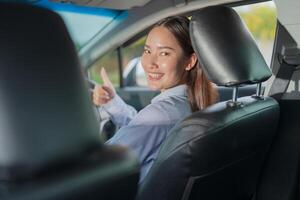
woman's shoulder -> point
(166, 111)
(154, 113)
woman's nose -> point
(153, 66)
(149, 62)
(153, 62)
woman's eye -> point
(164, 53)
(147, 51)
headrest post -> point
(258, 90)
(235, 93)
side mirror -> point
(134, 74)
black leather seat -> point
(217, 153)
(49, 141)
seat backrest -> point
(49, 137)
(217, 153)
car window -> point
(133, 73)
(83, 22)
(261, 20)
(83, 27)
(130, 55)
(133, 50)
(110, 62)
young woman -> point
(171, 66)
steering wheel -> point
(107, 127)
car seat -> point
(218, 152)
(49, 136)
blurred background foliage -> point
(261, 21)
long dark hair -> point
(201, 92)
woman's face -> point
(163, 59)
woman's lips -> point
(155, 76)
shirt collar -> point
(179, 90)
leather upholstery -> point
(45, 110)
(234, 60)
(218, 152)
(214, 154)
(110, 173)
(49, 141)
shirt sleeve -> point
(144, 135)
(119, 112)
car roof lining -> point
(111, 4)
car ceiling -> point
(112, 4)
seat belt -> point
(289, 63)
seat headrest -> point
(46, 115)
(225, 48)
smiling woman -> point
(171, 67)
(163, 60)
(169, 60)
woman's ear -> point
(191, 62)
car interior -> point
(245, 147)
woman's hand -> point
(102, 94)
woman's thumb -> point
(110, 92)
(105, 78)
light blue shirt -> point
(145, 131)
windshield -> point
(83, 27)
(83, 23)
